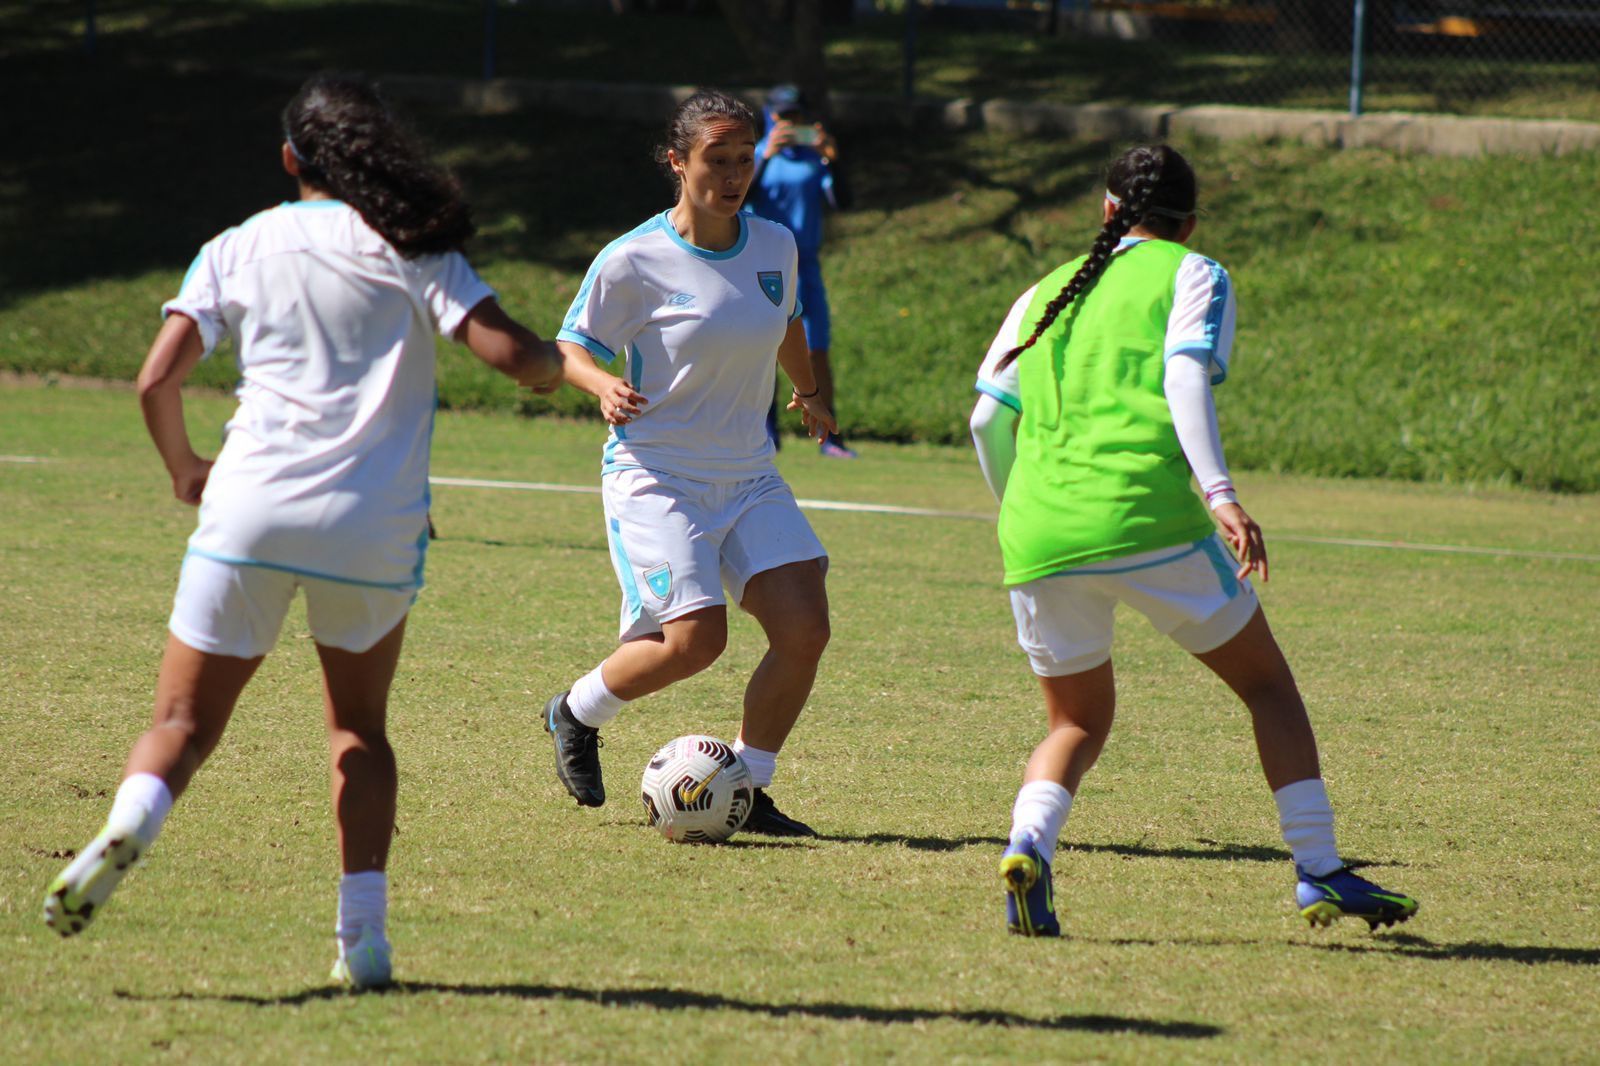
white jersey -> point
(1200, 325)
(699, 331)
(324, 471)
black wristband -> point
(806, 395)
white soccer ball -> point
(697, 791)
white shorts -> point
(1190, 593)
(675, 542)
(228, 609)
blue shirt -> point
(791, 188)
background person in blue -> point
(796, 174)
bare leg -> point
(1081, 708)
(684, 647)
(1254, 667)
(195, 696)
(791, 604)
(361, 762)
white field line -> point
(23, 459)
(929, 512)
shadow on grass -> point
(1400, 945)
(1418, 947)
(678, 999)
(1211, 850)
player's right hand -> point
(619, 403)
(189, 482)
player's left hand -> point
(1245, 538)
(814, 415)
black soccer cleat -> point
(766, 819)
(577, 753)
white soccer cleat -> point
(365, 964)
(77, 895)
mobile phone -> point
(803, 135)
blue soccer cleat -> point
(1030, 899)
(1342, 894)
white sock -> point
(1039, 813)
(142, 805)
(591, 702)
(1306, 819)
(763, 764)
(363, 903)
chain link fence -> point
(1514, 58)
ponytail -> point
(1144, 183)
(352, 146)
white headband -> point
(1165, 212)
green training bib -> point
(1099, 472)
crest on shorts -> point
(659, 578)
(772, 284)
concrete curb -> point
(1440, 135)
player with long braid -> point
(332, 301)
(1096, 410)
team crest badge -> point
(659, 578)
(772, 285)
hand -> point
(548, 373)
(814, 415)
(826, 145)
(780, 136)
(1244, 536)
(619, 404)
(189, 481)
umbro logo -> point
(682, 299)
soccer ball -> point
(697, 791)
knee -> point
(805, 639)
(698, 646)
(1271, 694)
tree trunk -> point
(785, 39)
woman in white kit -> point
(322, 485)
(698, 302)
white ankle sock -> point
(591, 702)
(763, 764)
(141, 807)
(1306, 819)
(363, 903)
(1040, 812)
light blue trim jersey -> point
(699, 332)
(324, 471)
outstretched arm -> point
(510, 347)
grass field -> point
(1415, 318)
(1454, 694)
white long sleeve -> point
(1187, 384)
(994, 435)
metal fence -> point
(1522, 58)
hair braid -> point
(352, 145)
(1147, 178)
